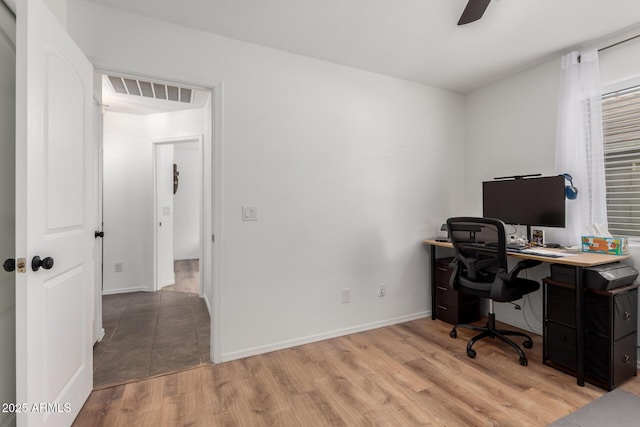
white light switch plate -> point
(249, 213)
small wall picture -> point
(537, 237)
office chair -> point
(480, 269)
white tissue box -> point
(605, 245)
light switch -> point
(166, 210)
(249, 213)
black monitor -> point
(526, 201)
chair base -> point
(490, 331)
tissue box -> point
(605, 245)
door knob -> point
(46, 263)
(9, 265)
(99, 234)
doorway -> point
(178, 211)
(150, 329)
(7, 211)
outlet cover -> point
(382, 290)
(346, 295)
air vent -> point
(127, 86)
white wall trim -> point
(199, 139)
(621, 84)
(167, 283)
(210, 275)
(206, 301)
(126, 290)
(323, 336)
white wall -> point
(7, 213)
(59, 10)
(511, 129)
(128, 204)
(186, 202)
(349, 170)
(128, 192)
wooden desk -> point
(579, 261)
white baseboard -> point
(125, 290)
(206, 301)
(167, 283)
(320, 337)
(101, 335)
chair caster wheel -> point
(471, 353)
(527, 344)
(524, 361)
(453, 334)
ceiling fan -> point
(474, 11)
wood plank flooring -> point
(411, 374)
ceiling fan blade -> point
(474, 11)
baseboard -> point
(320, 337)
(206, 301)
(167, 283)
(101, 335)
(125, 290)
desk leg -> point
(432, 253)
(580, 326)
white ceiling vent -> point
(127, 86)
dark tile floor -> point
(150, 333)
(187, 276)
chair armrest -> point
(523, 265)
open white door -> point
(55, 220)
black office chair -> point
(480, 269)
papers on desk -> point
(547, 253)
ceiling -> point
(416, 40)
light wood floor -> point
(412, 374)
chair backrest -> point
(480, 248)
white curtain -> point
(579, 146)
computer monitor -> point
(526, 201)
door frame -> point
(199, 139)
(212, 175)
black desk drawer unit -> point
(610, 325)
(450, 305)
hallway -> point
(150, 333)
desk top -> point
(581, 259)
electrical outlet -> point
(117, 267)
(346, 295)
(382, 290)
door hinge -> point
(213, 238)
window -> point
(621, 129)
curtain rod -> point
(612, 45)
(620, 42)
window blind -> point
(621, 131)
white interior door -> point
(55, 219)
